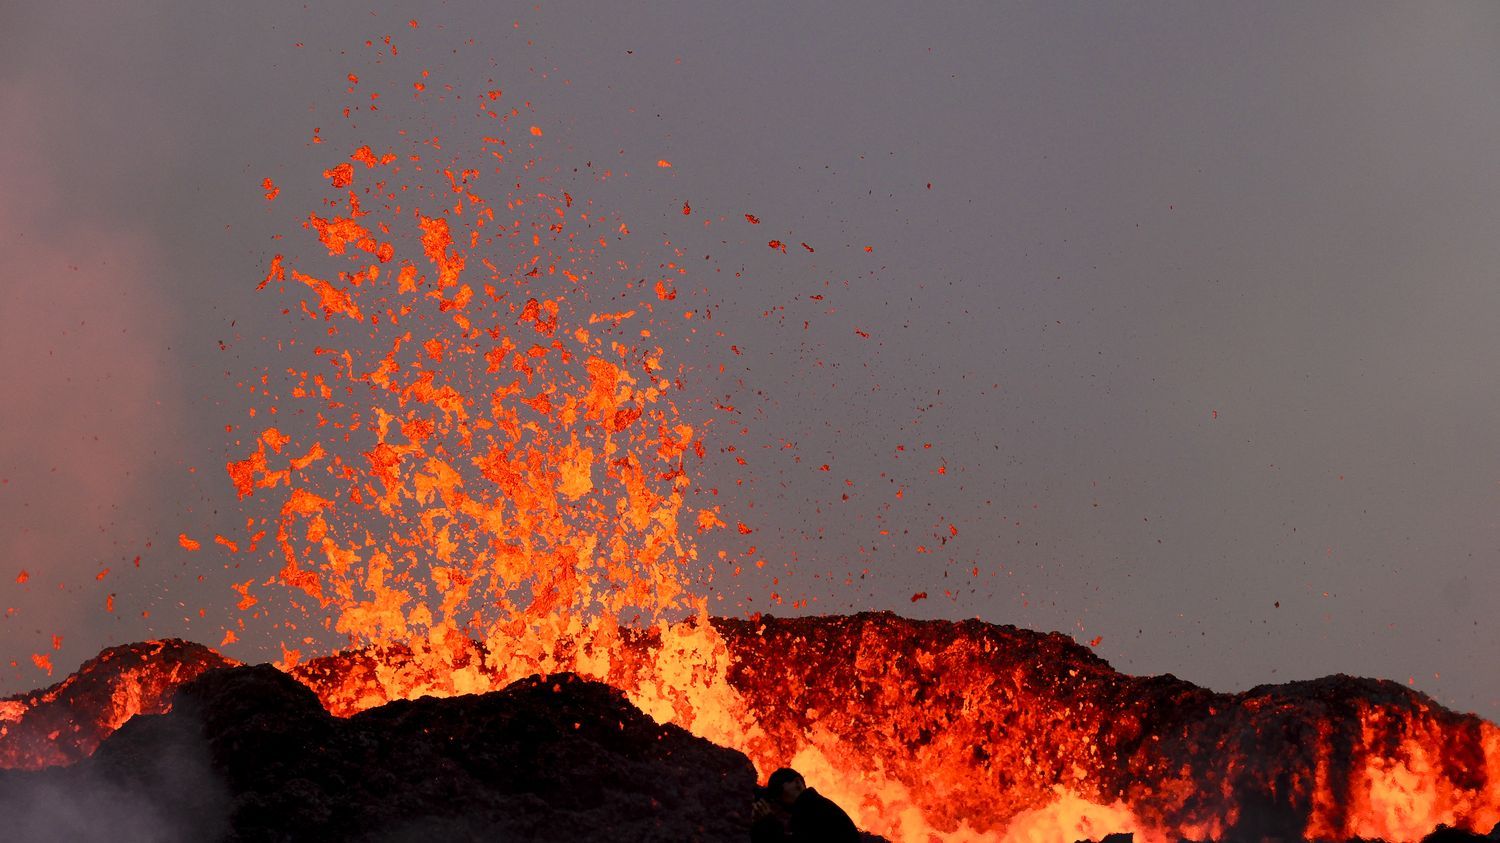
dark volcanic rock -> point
(558, 758)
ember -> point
(492, 458)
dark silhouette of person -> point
(800, 813)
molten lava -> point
(923, 729)
(479, 473)
(973, 731)
(491, 457)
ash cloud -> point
(85, 383)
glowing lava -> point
(930, 729)
(496, 485)
(479, 473)
(491, 459)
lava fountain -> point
(481, 470)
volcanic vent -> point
(959, 731)
(478, 466)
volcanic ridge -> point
(969, 731)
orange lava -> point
(489, 456)
(497, 485)
(480, 472)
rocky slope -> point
(248, 753)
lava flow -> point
(932, 730)
(481, 472)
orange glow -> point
(484, 474)
(341, 175)
(518, 473)
(519, 504)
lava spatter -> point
(479, 470)
(490, 460)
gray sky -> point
(1197, 313)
